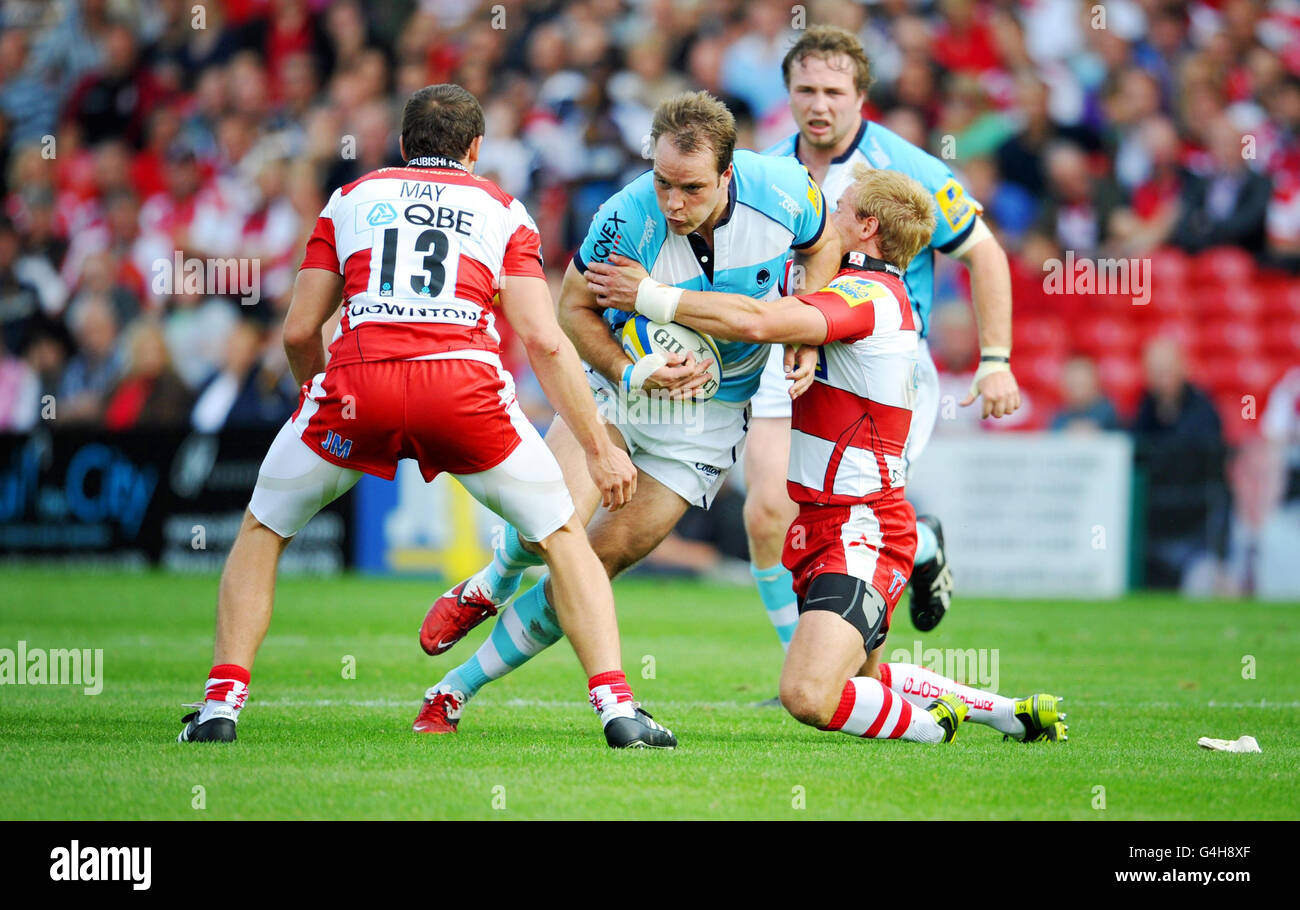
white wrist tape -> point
(992, 360)
(636, 374)
(657, 302)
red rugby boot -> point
(451, 618)
(440, 712)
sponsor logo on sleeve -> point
(814, 195)
(954, 204)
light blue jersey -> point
(774, 207)
(956, 212)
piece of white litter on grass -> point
(1244, 744)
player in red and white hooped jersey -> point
(416, 254)
(851, 548)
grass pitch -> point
(1144, 677)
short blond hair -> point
(692, 120)
(904, 208)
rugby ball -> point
(642, 337)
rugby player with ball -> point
(851, 546)
(707, 216)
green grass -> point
(1144, 678)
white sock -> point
(921, 686)
(872, 711)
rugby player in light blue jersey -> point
(827, 75)
(706, 218)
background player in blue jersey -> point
(706, 218)
(827, 75)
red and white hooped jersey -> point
(849, 429)
(422, 250)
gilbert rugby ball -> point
(642, 337)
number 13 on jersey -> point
(415, 261)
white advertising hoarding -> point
(1030, 514)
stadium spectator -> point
(25, 99)
(196, 329)
(1152, 206)
(113, 101)
(249, 391)
(1133, 99)
(963, 41)
(150, 393)
(1079, 208)
(1180, 449)
(94, 369)
(190, 200)
(1283, 224)
(20, 299)
(1022, 157)
(1228, 203)
(132, 253)
(1171, 406)
(751, 65)
(29, 383)
(373, 145)
(1007, 205)
(1085, 408)
(43, 246)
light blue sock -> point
(523, 630)
(927, 545)
(509, 562)
(776, 590)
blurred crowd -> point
(131, 130)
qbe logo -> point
(76, 863)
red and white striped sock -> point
(921, 686)
(225, 692)
(610, 695)
(872, 711)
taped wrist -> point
(635, 374)
(657, 302)
(992, 360)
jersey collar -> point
(853, 147)
(731, 200)
(437, 161)
(863, 263)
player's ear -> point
(471, 157)
(868, 227)
(401, 149)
